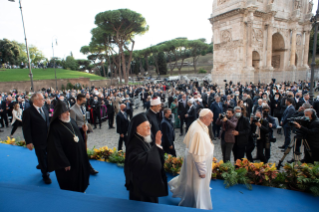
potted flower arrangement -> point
(173, 164)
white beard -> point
(66, 120)
(148, 139)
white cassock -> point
(193, 190)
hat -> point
(155, 101)
(60, 107)
(136, 121)
(204, 112)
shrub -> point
(202, 71)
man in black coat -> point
(182, 111)
(153, 116)
(110, 112)
(96, 105)
(241, 134)
(316, 106)
(168, 133)
(191, 114)
(129, 106)
(144, 163)
(122, 124)
(35, 125)
(312, 132)
(3, 113)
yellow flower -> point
(258, 165)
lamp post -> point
(26, 45)
(56, 80)
(314, 20)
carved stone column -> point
(293, 47)
(269, 46)
(306, 49)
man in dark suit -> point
(316, 106)
(298, 100)
(35, 125)
(129, 106)
(191, 114)
(168, 133)
(182, 111)
(217, 108)
(241, 133)
(122, 124)
(288, 113)
(110, 112)
(3, 113)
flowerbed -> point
(296, 176)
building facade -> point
(257, 40)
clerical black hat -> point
(136, 121)
(60, 107)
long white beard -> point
(66, 120)
(148, 139)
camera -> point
(300, 120)
(255, 119)
(222, 116)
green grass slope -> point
(43, 74)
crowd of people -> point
(241, 117)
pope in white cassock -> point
(192, 185)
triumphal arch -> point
(257, 40)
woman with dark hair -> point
(16, 118)
(241, 104)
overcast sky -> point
(70, 21)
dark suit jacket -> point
(181, 109)
(243, 128)
(287, 114)
(121, 124)
(299, 103)
(316, 106)
(3, 107)
(227, 128)
(191, 115)
(168, 134)
(216, 110)
(35, 128)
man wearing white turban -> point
(192, 185)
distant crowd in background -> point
(245, 115)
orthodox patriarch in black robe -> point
(66, 147)
(144, 166)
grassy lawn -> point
(43, 74)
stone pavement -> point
(109, 137)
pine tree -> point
(162, 65)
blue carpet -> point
(21, 182)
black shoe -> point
(302, 160)
(256, 158)
(282, 147)
(283, 150)
(94, 128)
(181, 134)
(38, 166)
(291, 161)
(93, 171)
(47, 179)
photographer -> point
(299, 113)
(272, 126)
(229, 123)
(260, 131)
(241, 134)
(311, 135)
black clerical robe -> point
(155, 121)
(144, 171)
(63, 151)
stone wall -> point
(39, 84)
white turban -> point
(155, 101)
(204, 112)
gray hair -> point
(216, 97)
(190, 102)
(35, 96)
(237, 108)
(313, 112)
(306, 105)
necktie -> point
(82, 109)
(42, 114)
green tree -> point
(71, 63)
(197, 48)
(162, 65)
(123, 24)
(9, 52)
(84, 64)
(35, 54)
